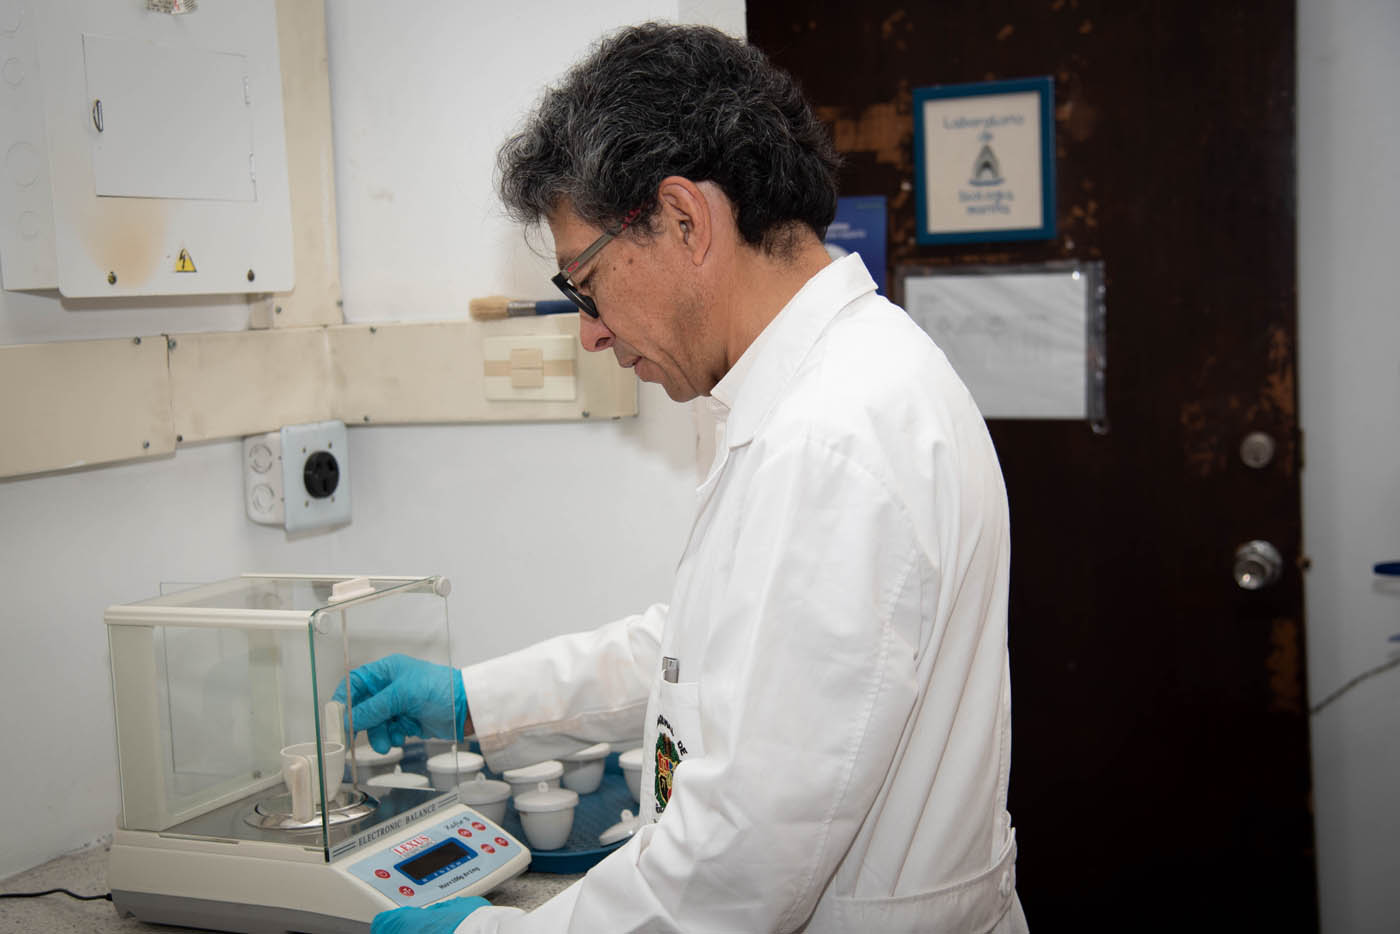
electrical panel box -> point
(144, 150)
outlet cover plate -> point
(324, 447)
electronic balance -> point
(210, 686)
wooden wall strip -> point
(411, 372)
(306, 106)
(75, 403)
(226, 385)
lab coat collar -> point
(751, 387)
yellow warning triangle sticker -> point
(184, 263)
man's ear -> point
(686, 214)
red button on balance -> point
(382, 873)
(405, 890)
(488, 848)
(478, 825)
(464, 832)
(502, 841)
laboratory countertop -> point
(85, 872)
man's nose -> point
(593, 333)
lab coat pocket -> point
(678, 735)
(983, 904)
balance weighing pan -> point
(275, 812)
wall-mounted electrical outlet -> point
(298, 477)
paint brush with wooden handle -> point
(498, 306)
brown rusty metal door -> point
(1160, 773)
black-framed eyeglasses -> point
(563, 279)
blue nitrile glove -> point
(397, 697)
(441, 918)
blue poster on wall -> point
(859, 227)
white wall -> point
(1349, 382)
(542, 528)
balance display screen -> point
(436, 861)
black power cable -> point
(83, 898)
(1385, 666)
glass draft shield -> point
(226, 729)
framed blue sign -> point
(984, 161)
(859, 227)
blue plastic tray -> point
(595, 813)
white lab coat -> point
(841, 716)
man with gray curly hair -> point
(825, 700)
(664, 129)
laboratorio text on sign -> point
(983, 123)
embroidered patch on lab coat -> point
(669, 753)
